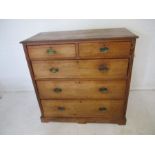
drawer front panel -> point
(104, 68)
(52, 51)
(82, 89)
(105, 49)
(83, 108)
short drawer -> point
(103, 68)
(83, 108)
(51, 51)
(109, 49)
(64, 89)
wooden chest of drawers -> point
(82, 76)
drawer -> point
(109, 49)
(51, 51)
(64, 89)
(83, 108)
(102, 68)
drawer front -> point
(105, 49)
(83, 108)
(51, 51)
(81, 89)
(103, 68)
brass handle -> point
(102, 109)
(104, 49)
(54, 70)
(61, 108)
(103, 68)
(50, 51)
(57, 90)
(103, 90)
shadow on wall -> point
(1, 90)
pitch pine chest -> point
(82, 76)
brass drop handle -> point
(50, 51)
(103, 90)
(54, 70)
(103, 68)
(104, 49)
(57, 90)
(102, 109)
(61, 108)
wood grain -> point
(79, 60)
(81, 89)
(83, 108)
(83, 120)
(116, 68)
(92, 34)
(62, 51)
(116, 49)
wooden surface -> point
(83, 108)
(62, 51)
(78, 60)
(83, 120)
(117, 68)
(81, 35)
(81, 89)
(115, 49)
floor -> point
(19, 114)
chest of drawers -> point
(82, 76)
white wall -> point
(14, 73)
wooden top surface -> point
(114, 33)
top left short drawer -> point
(51, 51)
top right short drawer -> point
(106, 49)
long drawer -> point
(106, 49)
(103, 68)
(83, 108)
(61, 89)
